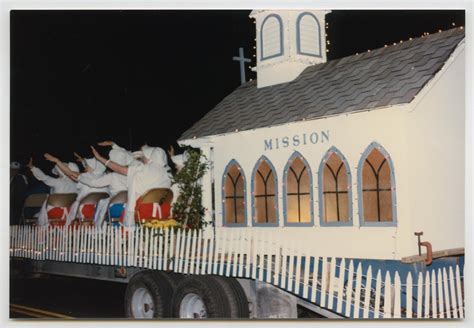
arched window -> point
(335, 189)
(308, 35)
(233, 195)
(264, 194)
(297, 191)
(376, 187)
(271, 37)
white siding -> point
(425, 140)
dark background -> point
(135, 77)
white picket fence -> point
(336, 284)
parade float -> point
(333, 187)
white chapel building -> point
(348, 157)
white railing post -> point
(198, 252)
(298, 267)
(223, 247)
(453, 292)
(440, 294)
(357, 291)
(166, 242)
(368, 287)
(145, 250)
(459, 293)
(409, 291)
(307, 260)
(172, 251)
(397, 290)
(446, 294)
(177, 251)
(434, 309)
(332, 280)
(427, 295)
(378, 287)
(340, 287)
(419, 296)
(188, 248)
(314, 285)
(387, 297)
(324, 280)
(350, 281)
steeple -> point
(288, 41)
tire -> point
(148, 297)
(172, 278)
(205, 293)
(238, 302)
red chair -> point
(59, 206)
(87, 207)
(155, 204)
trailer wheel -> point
(172, 278)
(148, 297)
(235, 295)
(200, 297)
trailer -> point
(335, 189)
(186, 274)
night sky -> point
(135, 77)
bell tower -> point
(288, 41)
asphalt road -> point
(66, 297)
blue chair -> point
(116, 208)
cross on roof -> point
(242, 60)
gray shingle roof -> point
(386, 76)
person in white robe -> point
(61, 185)
(152, 173)
(94, 170)
(115, 182)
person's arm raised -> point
(62, 166)
(110, 164)
(81, 160)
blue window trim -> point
(393, 223)
(275, 180)
(280, 22)
(285, 177)
(336, 151)
(224, 223)
(298, 35)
